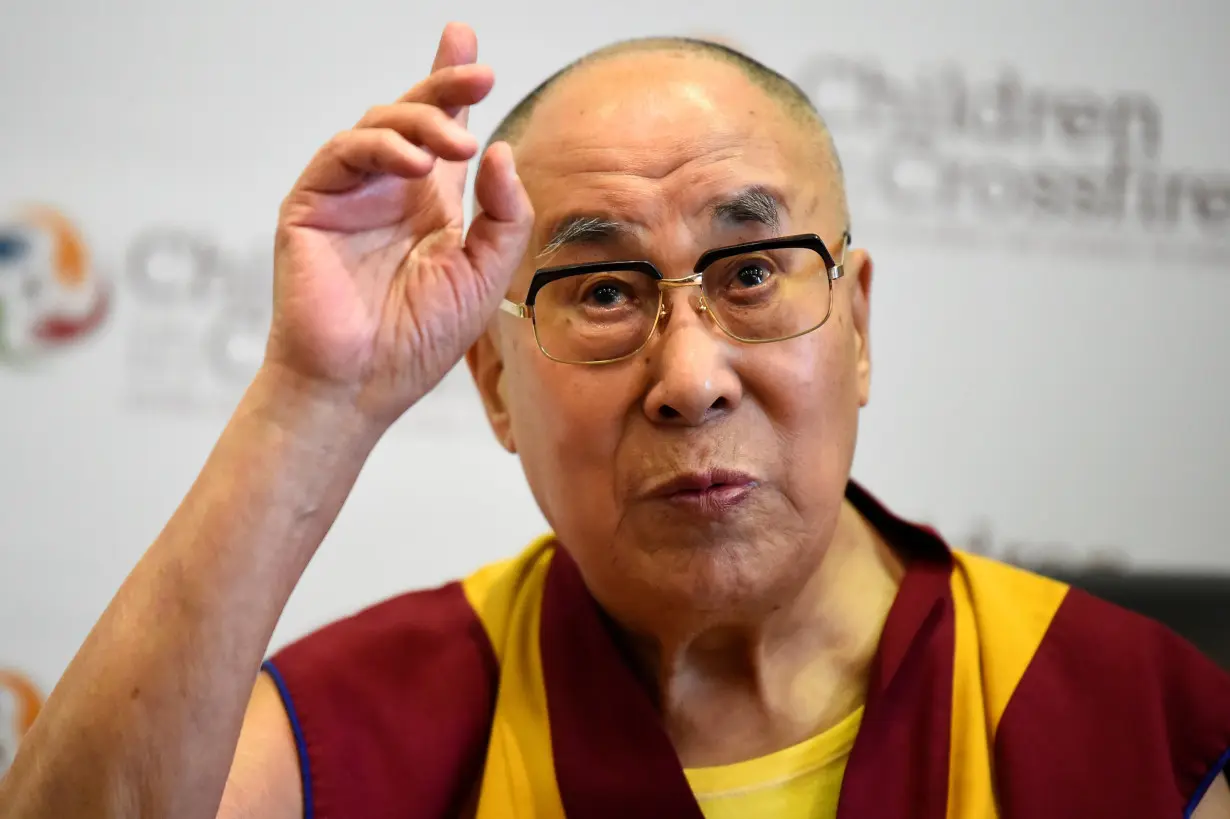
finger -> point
(497, 187)
(458, 46)
(426, 126)
(453, 88)
(351, 157)
(499, 234)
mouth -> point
(711, 493)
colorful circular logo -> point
(20, 701)
(50, 295)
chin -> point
(702, 576)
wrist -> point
(321, 415)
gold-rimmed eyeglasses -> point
(756, 293)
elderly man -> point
(666, 321)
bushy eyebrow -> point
(584, 229)
(757, 204)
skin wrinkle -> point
(641, 219)
(739, 621)
(757, 205)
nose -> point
(691, 360)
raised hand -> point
(378, 288)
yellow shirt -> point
(799, 782)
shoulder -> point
(1090, 676)
(394, 699)
(457, 622)
(398, 698)
(389, 638)
(1080, 635)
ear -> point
(486, 363)
(859, 268)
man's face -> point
(655, 141)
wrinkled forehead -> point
(655, 139)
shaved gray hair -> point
(779, 88)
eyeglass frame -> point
(834, 270)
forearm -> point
(145, 720)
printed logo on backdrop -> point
(50, 295)
(200, 312)
(201, 315)
(20, 702)
(197, 314)
(944, 155)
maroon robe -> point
(993, 692)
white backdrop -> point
(1046, 193)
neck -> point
(737, 691)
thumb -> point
(500, 232)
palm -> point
(369, 268)
(378, 285)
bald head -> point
(788, 96)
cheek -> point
(567, 423)
(808, 389)
(807, 385)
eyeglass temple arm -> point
(518, 310)
(839, 269)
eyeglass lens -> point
(763, 295)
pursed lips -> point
(711, 492)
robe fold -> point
(994, 693)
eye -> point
(747, 279)
(605, 294)
(751, 274)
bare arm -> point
(147, 716)
(264, 782)
(378, 291)
(1216, 802)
